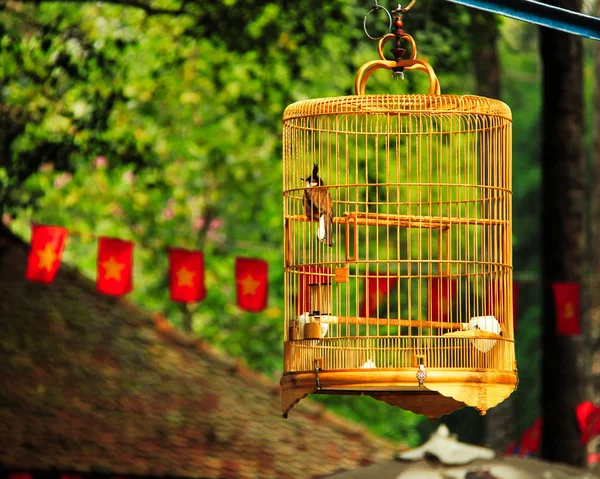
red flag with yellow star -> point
(588, 418)
(186, 275)
(47, 245)
(115, 260)
(566, 302)
(530, 440)
(442, 292)
(251, 277)
(377, 288)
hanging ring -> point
(374, 9)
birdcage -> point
(397, 246)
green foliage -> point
(166, 130)
(378, 416)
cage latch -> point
(318, 367)
(421, 374)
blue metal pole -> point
(540, 14)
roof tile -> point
(93, 383)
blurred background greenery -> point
(161, 123)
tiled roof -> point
(91, 383)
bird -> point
(489, 324)
(318, 206)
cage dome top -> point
(398, 105)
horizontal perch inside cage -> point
(403, 221)
(411, 323)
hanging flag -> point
(530, 441)
(376, 290)
(251, 277)
(310, 275)
(115, 260)
(515, 302)
(442, 291)
(45, 253)
(566, 302)
(588, 418)
(186, 275)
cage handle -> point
(365, 71)
(404, 36)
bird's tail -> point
(325, 231)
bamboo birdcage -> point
(421, 193)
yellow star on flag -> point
(185, 277)
(249, 285)
(112, 269)
(47, 257)
(569, 311)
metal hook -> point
(317, 368)
(395, 75)
(374, 9)
(421, 374)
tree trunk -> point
(593, 330)
(594, 321)
(500, 420)
(563, 239)
(484, 51)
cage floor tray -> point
(442, 392)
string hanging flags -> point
(115, 260)
(186, 275)
(45, 254)
(114, 268)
